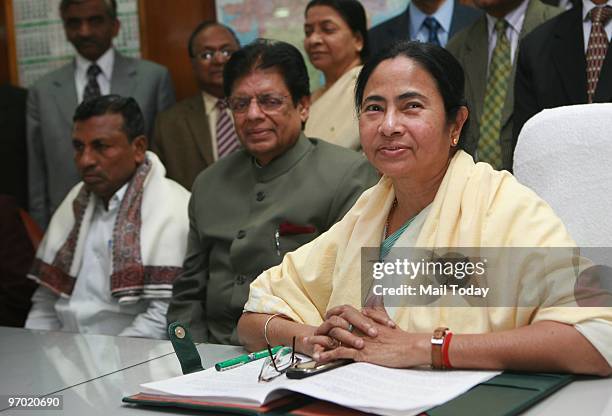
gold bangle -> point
(266, 327)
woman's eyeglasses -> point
(278, 364)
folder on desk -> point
(506, 394)
(294, 405)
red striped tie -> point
(597, 47)
(227, 141)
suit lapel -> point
(124, 79)
(65, 92)
(454, 23)
(197, 120)
(568, 55)
(534, 15)
(401, 30)
(461, 18)
(476, 64)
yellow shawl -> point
(475, 207)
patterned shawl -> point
(149, 238)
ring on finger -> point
(350, 328)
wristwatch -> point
(437, 341)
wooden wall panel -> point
(7, 58)
(165, 27)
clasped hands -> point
(367, 335)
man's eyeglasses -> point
(209, 55)
(268, 103)
(278, 364)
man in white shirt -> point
(98, 69)
(116, 243)
(199, 130)
(565, 61)
(487, 51)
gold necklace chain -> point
(389, 216)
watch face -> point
(440, 332)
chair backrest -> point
(34, 231)
(565, 155)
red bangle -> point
(445, 348)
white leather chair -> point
(565, 155)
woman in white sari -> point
(336, 41)
(432, 194)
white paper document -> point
(361, 386)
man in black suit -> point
(424, 20)
(552, 69)
(14, 156)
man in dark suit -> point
(186, 138)
(14, 157)
(552, 65)
(424, 20)
(490, 93)
(90, 26)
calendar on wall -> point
(42, 46)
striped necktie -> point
(597, 47)
(227, 141)
(92, 89)
(489, 146)
(432, 26)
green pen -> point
(244, 359)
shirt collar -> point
(105, 62)
(515, 18)
(115, 200)
(210, 102)
(284, 162)
(588, 5)
(443, 15)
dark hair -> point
(127, 107)
(264, 54)
(111, 7)
(437, 61)
(205, 25)
(354, 15)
